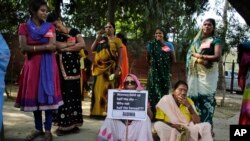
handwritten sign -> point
(127, 104)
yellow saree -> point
(104, 64)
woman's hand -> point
(183, 100)
(201, 61)
(178, 127)
(70, 43)
(99, 34)
(206, 63)
(111, 77)
(194, 117)
(196, 55)
(50, 47)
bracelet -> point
(34, 48)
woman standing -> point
(4, 61)
(244, 81)
(202, 69)
(106, 68)
(85, 65)
(124, 65)
(69, 42)
(39, 88)
(160, 57)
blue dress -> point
(4, 61)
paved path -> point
(18, 124)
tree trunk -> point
(111, 11)
(242, 7)
(57, 7)
(221, 82)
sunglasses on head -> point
(132, 82)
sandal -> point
(75, 130)
(34, 135)
(48, 136)
(59, 132)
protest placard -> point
(127, 104)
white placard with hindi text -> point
(127, 104)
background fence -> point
(231, 77)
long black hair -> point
(178, 83)
(52, 17)
(34, 6)
(122, 37)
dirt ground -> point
(226, 115)
(18, 124)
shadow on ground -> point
(19, 124)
